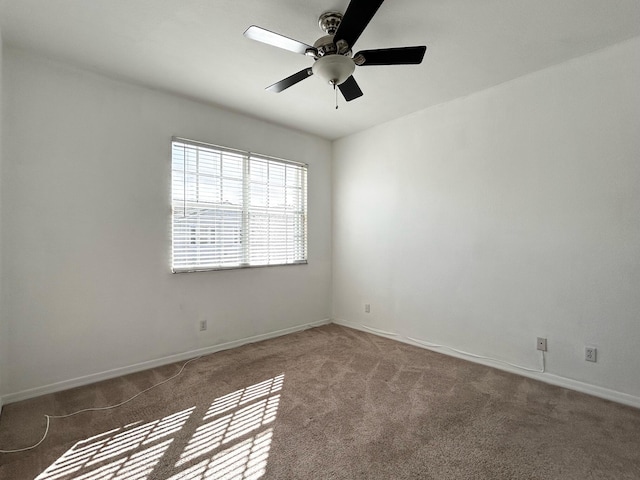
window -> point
(235, 209)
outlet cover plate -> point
(591, 354)
(541, 344)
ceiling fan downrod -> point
(329, 22)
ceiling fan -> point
(332, 53)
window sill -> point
(236, 267)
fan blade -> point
(289, 81)
(271, 38)
(358, 15)
(350, 89)
(391, 56)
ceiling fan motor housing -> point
(325, 46)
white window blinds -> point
(236, 209)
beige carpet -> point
(324, 403)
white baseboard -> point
(117, 372)
(550, 378)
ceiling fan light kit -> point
(334, 69)
(332, 52)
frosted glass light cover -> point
(334, 68)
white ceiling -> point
(196, 48)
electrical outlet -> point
(542, 344)
(590, 354)
(203, 325)
(367, 308)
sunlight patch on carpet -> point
(231, 441)
(246, 460)
(116, 443)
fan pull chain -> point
(336, 92)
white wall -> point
(86, 229)
(510, 214)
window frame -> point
(246, 208)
